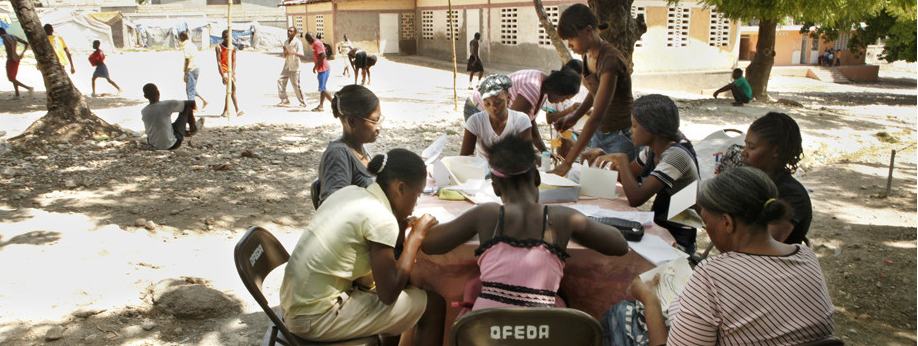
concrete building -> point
(511, 33)
(795, 48)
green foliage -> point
(895, 25)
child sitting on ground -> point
(666, 165)
(523, 242)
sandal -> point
(317, 109)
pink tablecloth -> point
(592, 282)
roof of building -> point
(301, 2)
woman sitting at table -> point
(773, 144)
(531, 90)
(666, 165)
(758, 291)
(343, 279)
(523, 242)
(483, 129)
(345, 160)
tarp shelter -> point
(122, 35)
(164, 32)
(78, 29)
(242, 34)
(267, 37)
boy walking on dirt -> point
(163, 134)
(742, 92)
(12, 59)
(97, 59)
(190, 70)
(321, 69)
(293, 52)
(60, 48)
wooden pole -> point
(452, 44)
(230, 67)
(892, 162)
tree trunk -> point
(549, 28)
(68, 116)
(623, 30)
(760, 69)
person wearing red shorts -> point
(13, 58)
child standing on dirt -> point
(523, 242)
(97, 59)
(223, 55)
(666, 165)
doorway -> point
(388, 33)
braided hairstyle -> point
(354, 101)
(514, 158)
(746, 194)
(781, 130)
(398, 165)
(575, 18)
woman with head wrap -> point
(531, 90)
(666, 165)
(483, 129)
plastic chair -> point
(710, 150)
(525, 326)
(314, 190)
(830, 341)
(256, 255)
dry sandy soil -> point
(69, 243)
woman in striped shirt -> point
(758, 291)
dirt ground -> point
(71, 244)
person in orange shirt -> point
(223, 52)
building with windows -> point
(511, 32)
(795, 48)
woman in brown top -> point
(608, 80)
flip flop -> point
(317, 109)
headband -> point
(496, 172)
(385, 158)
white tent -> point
(78, 29)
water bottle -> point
(546, 161)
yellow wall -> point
(377, 5)
(320, 7)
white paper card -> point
(556, 180)
(432, 152)
(440, 174)
(440, 213)
(655, 250)
(598, 182)
(471, 185)
(674, 275)
(682, 200)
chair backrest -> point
(525, 326)
(314, 190)
(715, 144)
(256, 255)
(830, 341)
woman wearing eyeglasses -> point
(345, 160)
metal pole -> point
(892, 162)
(452, 44)
(230, 66)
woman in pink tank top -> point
(523, 242)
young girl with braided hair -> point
(523, 242)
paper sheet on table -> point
(432, 152)
(655, 250)
(682, 200)
(471, 185)
(688, 217)
(440, 213)
(598, 182)
(674, 275)
(556, 180)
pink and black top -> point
(519, 272)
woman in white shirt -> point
(497, 121)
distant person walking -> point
(60, 48)
(191, 71)
(474, 65)
(293, 52)
(344, 47)
(13, 58)
(162, 133)
(223, 54)
(361, 62)
(320, 68)
(742, 92)
(97, 59)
